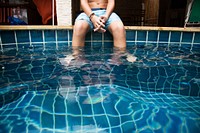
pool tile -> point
(129, 127)
(164, 36)
(49, 35)
(108, 36)
(96, 36)
(7, 46)
(7, 37)
(36, 36)
(186, 46)
(70, 35)
(88, 121)
(32, 127)
(50, 45)
(97, 44)
(141, 35)
(197, 37)
(22, 36)
(102, 120)
(38, 45)
(24, 45)
(108, 44)
(175, 36)
(130, 44)
(187, 37)
(62, 35)
(130, 35)
(47, 120)
(60, 121)
(88, 36)
(153, 36)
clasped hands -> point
(99, 23)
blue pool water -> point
(95, 89)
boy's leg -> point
(117, 29)
(80, 30)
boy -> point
(98, 15)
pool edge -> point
(49, 27)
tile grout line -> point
(181, 39)
(68, 38)
(147, 38)
(169, 40)
(16, 40)
(30, 40)
(192, 43)
(56, 37)
(158, 38)
(135, 37)
(43, 39)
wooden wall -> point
(130, 11)
(151, 12)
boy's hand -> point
(98, 24)
(101, 29)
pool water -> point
(145, 88)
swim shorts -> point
(99, 12)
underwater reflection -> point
(89, 67)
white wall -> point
(64, 12)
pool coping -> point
(50, 27)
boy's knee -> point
(117, 27)
(80, 28)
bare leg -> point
(119, 34)
(80, 30)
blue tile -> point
(141, 44)
(186, 46)
(96, 36)
(50, 45)
(187, 37)
(164, 36)
(97, 44)
(108, 36)
(62, 46)
(108, 44)
(197, 37)
(49, 35)
(9, 46)
(38, 45)
(36, 36)
(196, 47)
(62, 35)
(70, 32)
(153, 36)
(130, 43)
(88, 36)
(130, 35)
(162, 44)
(175, 36)
(22, 36)
(24, 45)
(7, 37)
(141, 35)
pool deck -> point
(49, 27)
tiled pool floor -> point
(99, 90)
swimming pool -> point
(46, 86)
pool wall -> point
(58, 36)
